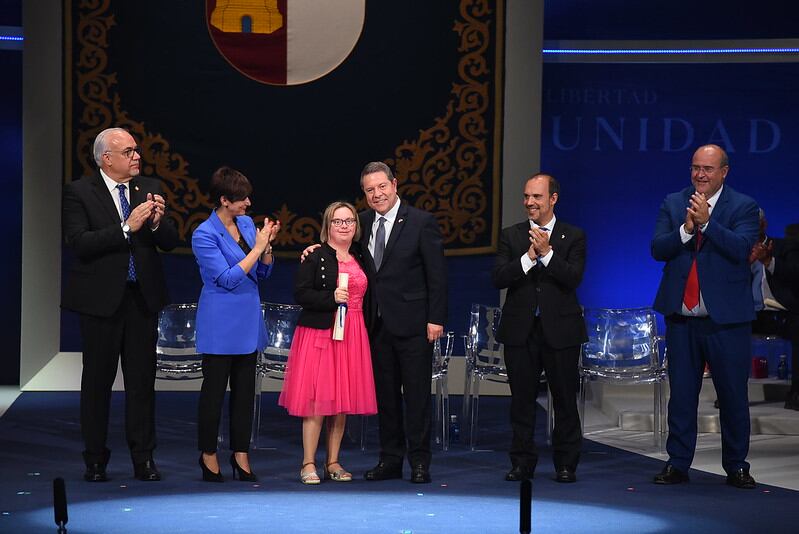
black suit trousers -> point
(131, 332)
(525, 364)
(217, 369)
(403, 369)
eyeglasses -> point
(128, 152)
(704, 168)
(342, 222)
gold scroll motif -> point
(444, 171)
(233, 16)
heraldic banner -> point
(298, 95)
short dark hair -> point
(228, 183)
(377, 166)
(554, 185)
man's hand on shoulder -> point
(308, 250)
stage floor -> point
(40, 440)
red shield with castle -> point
(285, 42)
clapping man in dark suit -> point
(113, 222)
(540, 262)
(408, 281)
(704, 234)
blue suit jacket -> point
(229, 319)
(722, 261)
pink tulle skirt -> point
(327, 377)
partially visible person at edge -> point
(233, 256)
(704, 234)
(776, 294)
(327, 378)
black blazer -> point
(316, 281)
(411, 287)
(551, 289)
(92, 229)
(784, 283)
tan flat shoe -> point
(310, 478)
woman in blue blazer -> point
(233, 255)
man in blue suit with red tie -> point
(704, 233)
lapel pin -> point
(136, 187)
(400, 220)
(563, 236)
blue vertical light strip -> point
(11, 38)
(654, 51)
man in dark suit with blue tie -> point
(113, 222)
(704, 234)
(408, 290)
(540, 261)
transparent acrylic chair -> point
(280, 320)
(176, 351)
(485, 360)
(623, 348)
(442, 352)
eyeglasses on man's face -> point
(707, 169)
(342, 222)
(127, 153)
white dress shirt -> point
(391, 217)
(700, 310)
(528, 263)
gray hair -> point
(101, 146)
(377, 166)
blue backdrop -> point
(621, 136)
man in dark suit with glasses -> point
(113, 222)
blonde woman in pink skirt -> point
(326, 377)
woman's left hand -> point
(273, 227)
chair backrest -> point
(621, 342)
(482, 347)
(280, 320)
(176, 349)
(442, 351)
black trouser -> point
(217, 369)
(131, 332)
(525, 363)
(785, 325)
(403, 368)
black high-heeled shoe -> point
(244, 476)
(208, 475)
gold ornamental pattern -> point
(446, 170)
(94, 88)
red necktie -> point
(690, 296)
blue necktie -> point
(123, 203)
